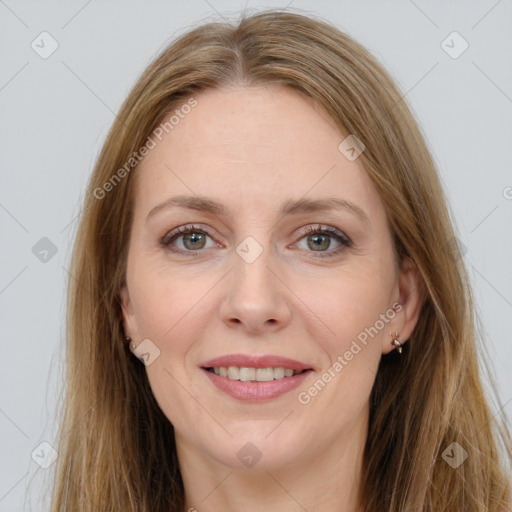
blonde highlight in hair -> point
(117, 450)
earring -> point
(396, 341)
(128, 340)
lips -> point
(252, 361)
(256, 391)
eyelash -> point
(344, 241)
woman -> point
(269, 309)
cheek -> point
(349, 305)
(353, 306)
(165, 302)
(171, 312)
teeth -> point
(264, 374)
(245, 374)
(279, 373)
(234, 373)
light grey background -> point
(55, 113)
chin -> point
(256, 453)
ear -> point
(410, 294)
(127, 313)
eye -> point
(191, 239)
(320, 240)
(188, 238)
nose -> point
(254, 298)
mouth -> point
(252, 374)
(255, 378)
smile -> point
(254, 390)
(247, 374)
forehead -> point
(246, 145)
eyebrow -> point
(290, 207)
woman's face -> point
(255, 236)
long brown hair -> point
(117, 448)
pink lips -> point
(255, 362)
(256, 391)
